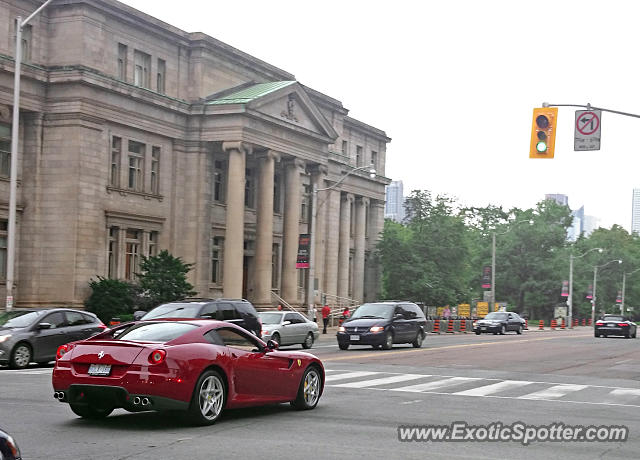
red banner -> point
(303, 251)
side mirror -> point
(286, 323)
(138, 315)
(43, 326)
(272, 345)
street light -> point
(595, 279)
(15, 132)
(624, 279)
(570, 299)
(312, 229)
(493, 260)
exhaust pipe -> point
(145, 401)
(136, 400)
(55, 395)
(59, 395)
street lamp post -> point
(493, 260)
(15, 132)
(312, 228)
(624, 279)
(570, 298)
(595, 280)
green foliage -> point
(110, 298)
(163, 278)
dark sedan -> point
(8, 448)
(615, 325)
(34, 335)
(499, 322)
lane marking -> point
(555, 392)
(494, 388)
(625, 392)
(425, 387)
(378, 354)
(381, 381)
(348, 375)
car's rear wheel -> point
(208, 399)
(417, 343)
(309, 390)
(343, 346)
(478, 332)
(388, 341)
(308, 341)
(20, 356)
(519, 330)
(503, 329)
(276, 338)
(89, 411)
(596, 334)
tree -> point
(110, 298)
(163, 278)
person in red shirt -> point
(326, 311)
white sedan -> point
(288, 328)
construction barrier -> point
(562, 325)
(584, 322)
(590, 322)
(436, 327)
(526, 324)
(450, 327)
(554, 324)
(463, 326)
(576, 322)
(541, 326)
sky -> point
(454, 84)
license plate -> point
(611, 325)
(483, 328)
(354, 337)
(99, 369)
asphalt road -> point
(537, 378)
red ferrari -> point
(199, 367)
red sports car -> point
(196, 366)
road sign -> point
(587, 130)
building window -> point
(116, 150)
(132, 253)
(113, 252)
(142, 63)
(218, 181)
(3, 249)
(358, 155)
(344, 147)
(160, 76)
(136, 165)
(374, 160)
(26, 40)
(276, 194)
(5, 149)
(216, 259)
(155, 169)
(249, 188)
(275, 265)
(153, 244)
(122, 62)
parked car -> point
(499, 322)
(198, 367)
(8, 448)
(381, 324)
(28, 335)
(288, 328)
(615, 325)
(237, 311)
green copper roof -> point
(247, 95)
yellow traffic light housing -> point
(543, 132)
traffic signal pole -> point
(590, 107)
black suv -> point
(381, 324)
(236, 311)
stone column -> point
(331, 205)
(345, 243)
(358, 261)
(234, 233)
(291, 230)
(264, 228)
(373, 288)
(318, 176)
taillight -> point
(157, 356)
(623, 324)
(63, 350)
(599, 323)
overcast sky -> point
(454, 84)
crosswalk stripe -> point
(554, 392)
(419, 388)
(348, 375)
(625, 392)
(493, 388)
(382, 381)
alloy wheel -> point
(211, 397)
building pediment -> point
(283, 103)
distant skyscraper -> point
(394, 207)
(590, 223)
(577, 226)
(558, 198)
(635, 211)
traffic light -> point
(543, 132)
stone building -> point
(136, 136)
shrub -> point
(110, 298)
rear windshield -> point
(613, 318)
(374, 311)
(19, 318)
(175, 310)
(270, 318)
(156, 332)
(496, 316)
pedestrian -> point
(326, 311)
(279, 307)
(311, 313)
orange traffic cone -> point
(584, 322)
(562, 326)
(553, 324)
(463, 326)
(449, 326)
(436, 326)
(541, 326)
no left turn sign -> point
(587, 130)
